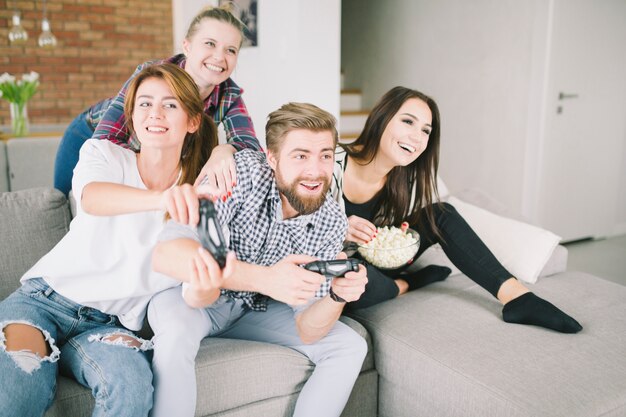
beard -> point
(303, 204)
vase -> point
(19, 119)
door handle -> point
(563, 96)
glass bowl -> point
(394, 253)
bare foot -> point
(403, 286)
(511, 289)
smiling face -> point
(406, 135)
(303, 169)
(212, 53)
(158, 118)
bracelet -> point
(335, 297)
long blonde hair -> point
(223, 14)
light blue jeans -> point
(179, 329)
(81, 346)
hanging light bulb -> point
(46, 39)
(17, 34)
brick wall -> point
(100, 42)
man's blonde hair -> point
(293, 116)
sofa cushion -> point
(279, 372)
(31, 222)
(522, 248)
(444, 350)
(245, 378)
(526, 251)
(504, 233)
(31, 162)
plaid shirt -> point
(259, 234)
(224, 104)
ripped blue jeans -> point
(84, 343)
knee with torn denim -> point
(28, 359)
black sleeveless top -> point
(364, 210)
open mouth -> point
(407, 148)
(311, 186)
(214, 68)
(156, 129)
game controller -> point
(334, 268)
(210, 232)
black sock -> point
(425, 276)
(530, 309)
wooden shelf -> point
(4, 136)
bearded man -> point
(279, 217)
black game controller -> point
(334, 268)
(210, 232)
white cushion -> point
(522, 248)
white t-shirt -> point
(104, 262)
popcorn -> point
(391, 248)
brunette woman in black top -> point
(388, 176)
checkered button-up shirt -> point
(224, 105)
(259, 234)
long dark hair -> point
(198, 145)
(394, 203)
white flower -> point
(7, 78)
(31, 77)
(21, 91)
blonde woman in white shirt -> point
(79, 305)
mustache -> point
(320, 178)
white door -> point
(585, 125)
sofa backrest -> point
(31, 223)
(31, 162)
(4, 169)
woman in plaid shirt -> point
(211, 49)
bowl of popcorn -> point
(392, 248)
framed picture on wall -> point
(246, 11)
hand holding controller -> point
(210, 232)
(334, 268)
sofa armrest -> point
(4, 168)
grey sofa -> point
(27, 162)
(31, 223)
(439, 351)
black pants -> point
(462, 246)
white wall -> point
(621, 207)
(474, 58)
(486, 62)
(298, 57)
